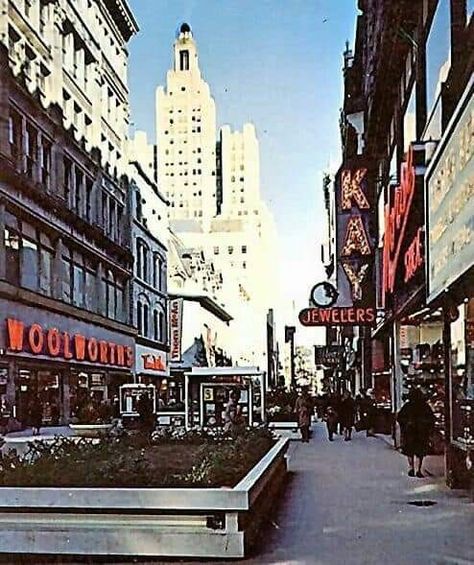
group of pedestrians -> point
(342, 412)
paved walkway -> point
(347, 503)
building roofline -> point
(123, 17)
(150, 183)
(207, 303)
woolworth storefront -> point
(57, 362)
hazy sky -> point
(278, 64)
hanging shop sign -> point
(56, 344)
(328, 355)
(397, 214)
(450, 197)
(353, 303)
(176, 328)
(337, 316)
(403, 254)
(150, 361)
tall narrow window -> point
(156, 329)
(162, 327)
(184, 60)
(31, 148)
(145, 320)
(140, 317)
(45, 162)
(12, 253)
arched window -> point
(146, 311)
(140, 317)
(156, 328)
(142, 270)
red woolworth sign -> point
(53, 343)
(340, 316)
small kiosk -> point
(207, 391)
(129, 395)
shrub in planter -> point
(191, 459)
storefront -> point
(450, 278)
(59, 362)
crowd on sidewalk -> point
(342, 413)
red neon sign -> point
(414, 256)
(53, 343)
(337, 316)
(396, 221)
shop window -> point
(462, 375)
(438, 53)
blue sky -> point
(278, 64)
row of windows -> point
(31, 152)
(154, 326)
(185, 174)
(34, 261)
(230, 249)
(150, 267)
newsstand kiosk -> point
(207, 391)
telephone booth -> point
(207, 392)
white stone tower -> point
(186, 136)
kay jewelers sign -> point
(450, 201)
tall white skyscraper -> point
(214, 189)
(186, 135)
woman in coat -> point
(416, 421)
(347, 411)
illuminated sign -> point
(414, 256)
(337, 316)
(396, 221)
(53, 343)
(450, 197)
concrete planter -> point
(199, 523)
(90, 430)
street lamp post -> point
(290, 337)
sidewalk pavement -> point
(347, 503)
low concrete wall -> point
(201, 523)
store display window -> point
(422, 365)
(170, 394)
(462, 375)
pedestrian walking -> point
(416, 421)
(331, 418)
(303, 409)
(347, 414)
(35, 411)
